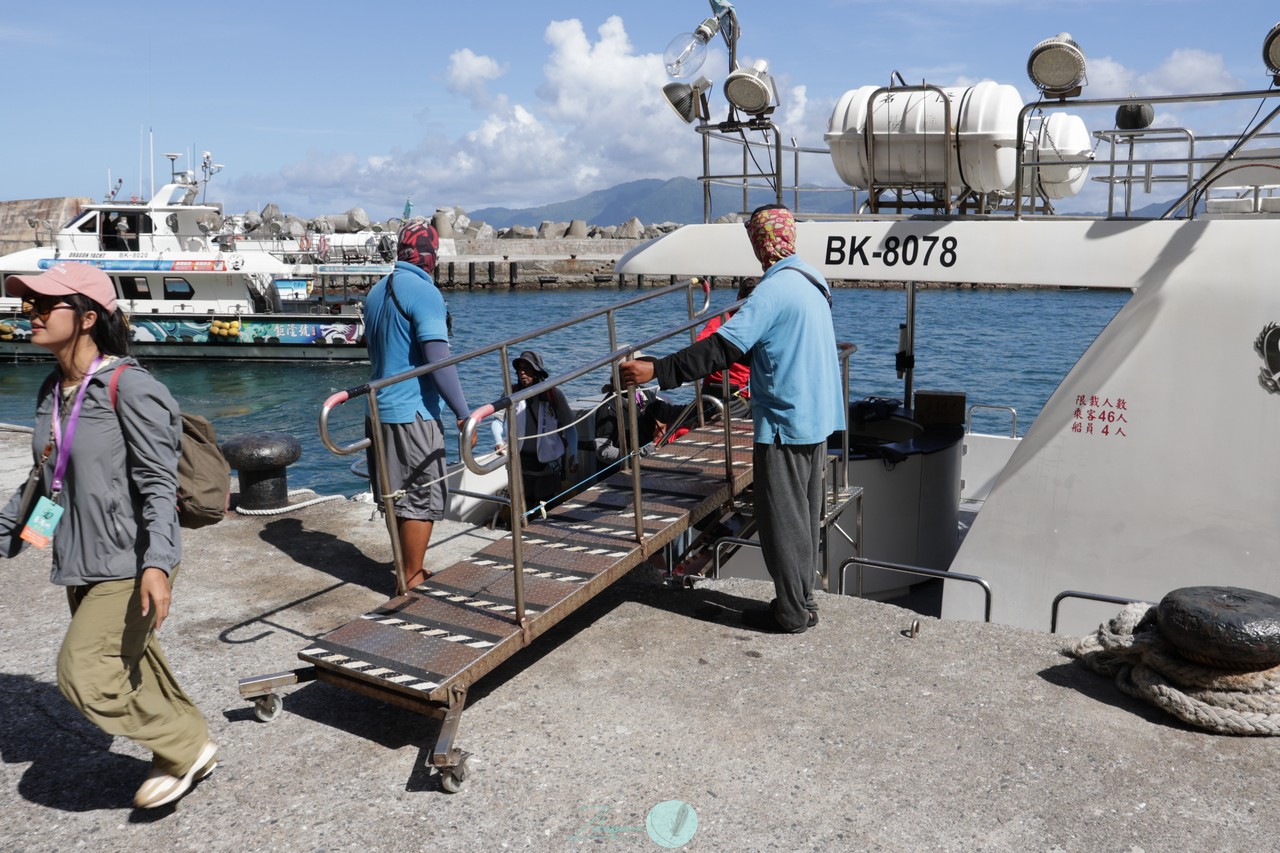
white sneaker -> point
(161, 788)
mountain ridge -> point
(651, 200)
(679, 201)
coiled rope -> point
(1148, 667)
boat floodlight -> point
(687, 51)
(1271, 51)
(750, 89)
(688, 99)
(1135, 116)
(1057, 66)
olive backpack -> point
(204, 477)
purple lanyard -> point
(64, 446)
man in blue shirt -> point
(406, 327)
(785, 331)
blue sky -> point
(324, 106)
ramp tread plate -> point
(668, 483)
(485, 586)
(577, 563)
(621, 499)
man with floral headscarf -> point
(406, 326)
(785, 331)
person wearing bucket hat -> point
(548, 436)
(103, 493)
(785, 331)
(406, 327)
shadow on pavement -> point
(71, 768)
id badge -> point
(43, 521)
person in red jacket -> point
(739, 399)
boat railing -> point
(968, 419)
(511, 397)
(859, 563)
(1125, 170)
(1088, 596)
(771, 168)
(757, 179)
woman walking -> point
(103, 493)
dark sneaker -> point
(762, 619)
(813, 614)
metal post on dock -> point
(388, 502)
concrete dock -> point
(852, 736)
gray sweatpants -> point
(788, 503)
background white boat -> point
(200, 285)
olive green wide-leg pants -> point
(111, 668)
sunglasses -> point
(42, 306)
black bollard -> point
(261, 460)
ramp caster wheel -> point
(268, 707)
(454, 779)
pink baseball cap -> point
(64, 279)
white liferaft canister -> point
(911, 146)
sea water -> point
(1003, 347)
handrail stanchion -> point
(388, 502)
(633, 445)
(515, 485)
(846, 352)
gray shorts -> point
(415, 457)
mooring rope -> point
(1147, 667)
(292, 492)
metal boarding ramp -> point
(422, 649)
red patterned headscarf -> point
(418, 243)
(773, 234)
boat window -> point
(135, 287)
(119, 234)
(178, 288)
(87, 224)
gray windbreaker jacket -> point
(121, 491)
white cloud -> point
(1186, 70)
(793, 106)
(1109, 79)
(470, 73)
(599, 119)
(1191, 70)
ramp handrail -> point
(859, 562)
(467, 425)
(341, 397)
